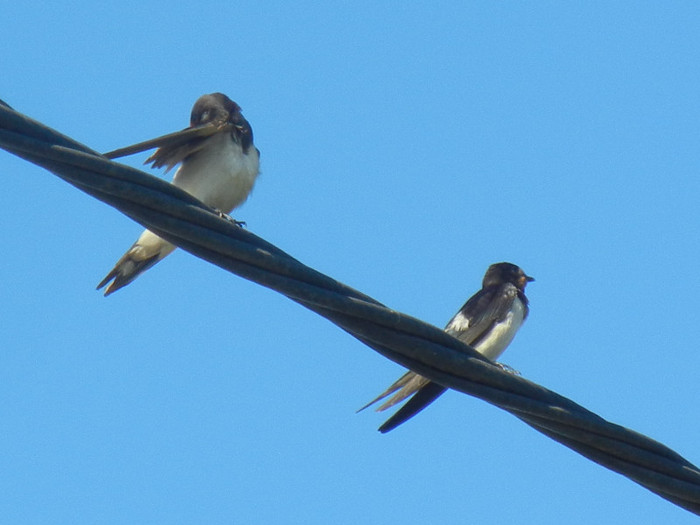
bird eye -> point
(204, 116)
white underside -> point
(222, 180)
(500, 336)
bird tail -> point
(410, 384)
(147, 251)
(406, 385)
(426, 395)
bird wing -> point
(173, 147)
(481, 312)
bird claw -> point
(227, 217)
(508, 369)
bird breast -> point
(220, 174)
(493, 345)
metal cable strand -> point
(186, 222)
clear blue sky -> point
(404, 149)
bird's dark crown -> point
(505, 272)
(215, 107)
(218, 109)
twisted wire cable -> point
(183, 220)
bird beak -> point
(522, 282)
(172, 140)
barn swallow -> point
(487, 322)
(218, 165)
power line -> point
(181, 219)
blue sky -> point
(404, 149)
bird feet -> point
(227, 217)
(508, 369)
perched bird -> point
(487, 322)
(218, 165)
